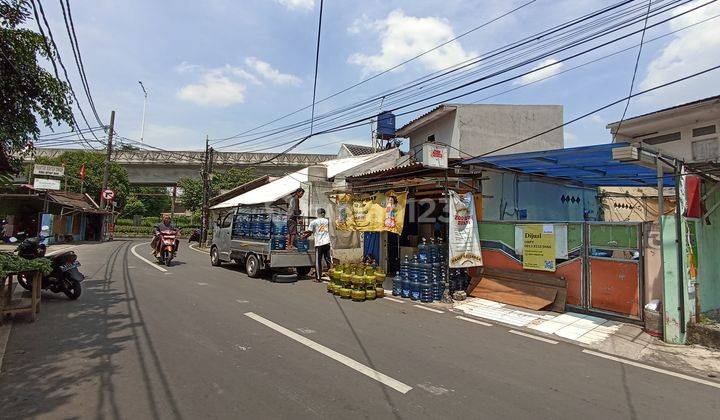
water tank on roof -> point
(386, 125)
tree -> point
(192, 196)
(156, 200)
(133, 207)
(94, 166)
(29, 92)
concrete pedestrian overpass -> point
(165, 168)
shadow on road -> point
(71, 349)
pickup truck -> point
(255, 238)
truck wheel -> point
(252, 266)
(214, 257)
(302, 271)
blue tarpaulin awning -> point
(588, 165)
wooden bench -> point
(527, 289)
(10, 306)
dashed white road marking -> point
(437, 311)
(653, 368)
(351, 363)
(393, 299)
(242, 301)
(534, 337)
(202, 284)
(152, 264)
(474, 321)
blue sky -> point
(220, 67)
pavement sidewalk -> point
(621, 339)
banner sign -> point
(464, 242)
(539, 247)
(48, 170)
(382, 211)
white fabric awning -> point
(282, 187)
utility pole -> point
(106, 171)
(207, 170)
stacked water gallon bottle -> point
(262, 227)
(422, 276)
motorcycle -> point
(166, 247)
(64, 277)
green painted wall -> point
(708, 238)
(671, 316)
(500, 232)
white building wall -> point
(478, 129)
(683, 148)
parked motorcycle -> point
(64, 277)
(166, 246)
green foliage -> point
(10, 262)
(29, 92)
(133, 207)
(155, 199)
(192, 197)
(94, 166)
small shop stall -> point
(70, 216)
(604, 264)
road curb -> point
(4, 337)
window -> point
(665, 138)
(431, 138)
(226, 221)
(703, 150)
(703, 131)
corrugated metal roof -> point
(589, 166)
(358, 150)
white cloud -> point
(552, 69)
(689, 52)
(298, 4)
(597, 119)
(224, 86)
(215, 89)
(403, 37)
(186, 67)
(266, 71)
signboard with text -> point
(46, 184)
(48, 170)
(539, 247)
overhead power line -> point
(596, 110)
(497, 53)
(317, 62)
(637, 62)
(354, 122)
(77, 56)
(476, 28)
(59, 60)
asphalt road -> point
(198, 341)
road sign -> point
(48, 170)
(46, 184)
(108, 195)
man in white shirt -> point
(320, 229)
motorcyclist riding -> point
(166, 224)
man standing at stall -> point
(293, 217)
(320, 229)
